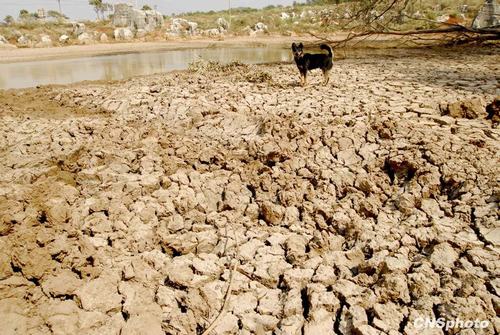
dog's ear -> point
(301, 46)
(294, 46)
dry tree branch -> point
(480, 34)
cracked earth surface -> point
(127, 207)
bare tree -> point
(366, 18)
(97, 4)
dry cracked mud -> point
(130, 207)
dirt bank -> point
(75, 51)
(349, 209)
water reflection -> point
(115, 67)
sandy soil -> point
(140, 206)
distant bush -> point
(56, 14)
(8, 20)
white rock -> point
(84, 38)
(222, 24)
(284, 16)
(45, 42)
(123, 34)
(63, 38)
(140, 33)
(23, 40)
(78, 28)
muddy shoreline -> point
(76, 51)
(130, 207)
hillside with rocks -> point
(125, 23)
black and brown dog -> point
(307, 62)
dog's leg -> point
(305, 79)
(326, 74)
(302, 79)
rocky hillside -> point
(129, 24)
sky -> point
(80, 9)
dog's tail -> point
(327, 48)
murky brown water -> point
(122, 66)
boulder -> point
(85, 38)
(125, 16)
(154, 20)
(284, 16)
(249, 31)
(123, 34)
(64, 39)
(193, 26)
(214, 32)
(183, 27)
(78, 28)
(103, 38)
(138, 19)
(222, 24)
(488, 16)
(140, 33)
(260, 27)
(45, 42)
(443, 18)
(23, 41)
(4, 43)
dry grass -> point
(240, 71)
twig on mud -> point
(229, 287)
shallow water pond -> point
(123, 66)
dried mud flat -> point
(134, 207)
